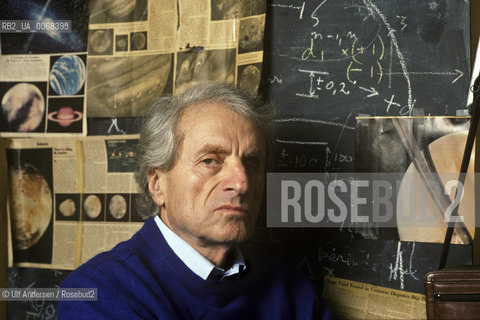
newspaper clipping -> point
(357, 300)
(163, 47)
(70, 198)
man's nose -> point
(236, 177)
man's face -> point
(212, 195)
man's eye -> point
(209, 162)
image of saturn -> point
(65, 115)
(22, 106)
(30, 204)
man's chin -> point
(235, 236)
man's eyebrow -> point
(217, 149)
(211, 148)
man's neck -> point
(221, 255)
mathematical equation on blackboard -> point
(328, 61)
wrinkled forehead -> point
(205, 113)
(210, 119)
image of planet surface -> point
(119, 9)
(67, 75)
(251, 35)
(122, 86)
(30, 206)
(250, 79)
(418, 217)
(67, 207)
(107, 11)
(65, 116)
(92, 206)
(23, 106)
(118, 206)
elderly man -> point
(201, 165)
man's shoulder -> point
(118, 275)
(102, 264)
(118, 254)
(112, 263)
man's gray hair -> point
(160, 139)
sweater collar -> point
(197, 263)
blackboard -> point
(328, 61)
(387, 263)
(320, 252)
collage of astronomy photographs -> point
(43, 77)
(114, 61)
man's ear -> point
(156, 186)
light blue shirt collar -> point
(200, 265)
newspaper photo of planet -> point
(100, 41)
(121, 42)
(23, 107)
(119, 9)
(138, 41)
(249, 78)
(108, 11)
(118, 206)
(251, 34)
(67, 75)
(122, 86)
(67, 207)
(416, 204)
(65, 116)
(234, 9)
(92, 206)
(30, 205)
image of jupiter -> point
(122, 86)
(108, 11)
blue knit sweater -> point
(142, 278)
